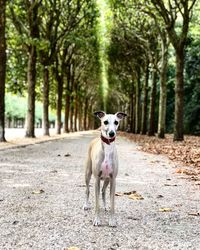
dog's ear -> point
(99, 114)
(121, 115)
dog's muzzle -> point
(111, 134)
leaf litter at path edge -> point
(187, 152)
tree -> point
(26, 23)
(145, 97)
(49, 36)
(151, 129)
(161, 32)
(76, 34)
(32, 12)
(163, 84)
(2, 68)
(171, 14)
(139, 46)
(192, 87)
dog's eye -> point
(105, 122)
(116, 123)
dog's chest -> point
(107, 164)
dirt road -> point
(42, 193)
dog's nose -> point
(111, 134)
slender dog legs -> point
(106, 182)
(96, 221)
(112, 222)
(88, 174)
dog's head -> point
(109, 123)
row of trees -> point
(145, 35)
(52, 56)
(52, 49)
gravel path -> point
(42, 193)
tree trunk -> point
(144, 105)
(80, 117)
(138, 104)
(72, 99)
(59, 105)
(71, 113)
(31, 71)
(31, 76)
(2, 68)
(60, 81)
(90, 117)
(179, 95)
(76, 108)
(67, 108)
(163, 90)
(45, 120)
(85, 114)
(132, 115)
(76, 113)
(151, 130)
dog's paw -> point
(96, 221)
(112, 222)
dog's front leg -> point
(96, 221)
(112, 221)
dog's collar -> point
(107, 141)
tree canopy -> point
(77, 56)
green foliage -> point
(192, 88)
(16, 108)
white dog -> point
(102, 162)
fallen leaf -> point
(67, 155)
(124, 193)
(119, 194)
(132, 218)
(180, 171)
(185, 171)
(83, 185)
(165, 209)
(72, 248)
(15, 222)
(154, 161)
(129, 193)
(172, 185)
(38, 191)
(194, 213)
(135, 196)
(194, 178)
(54, 171)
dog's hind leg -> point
(88, 173)
(106, 182)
